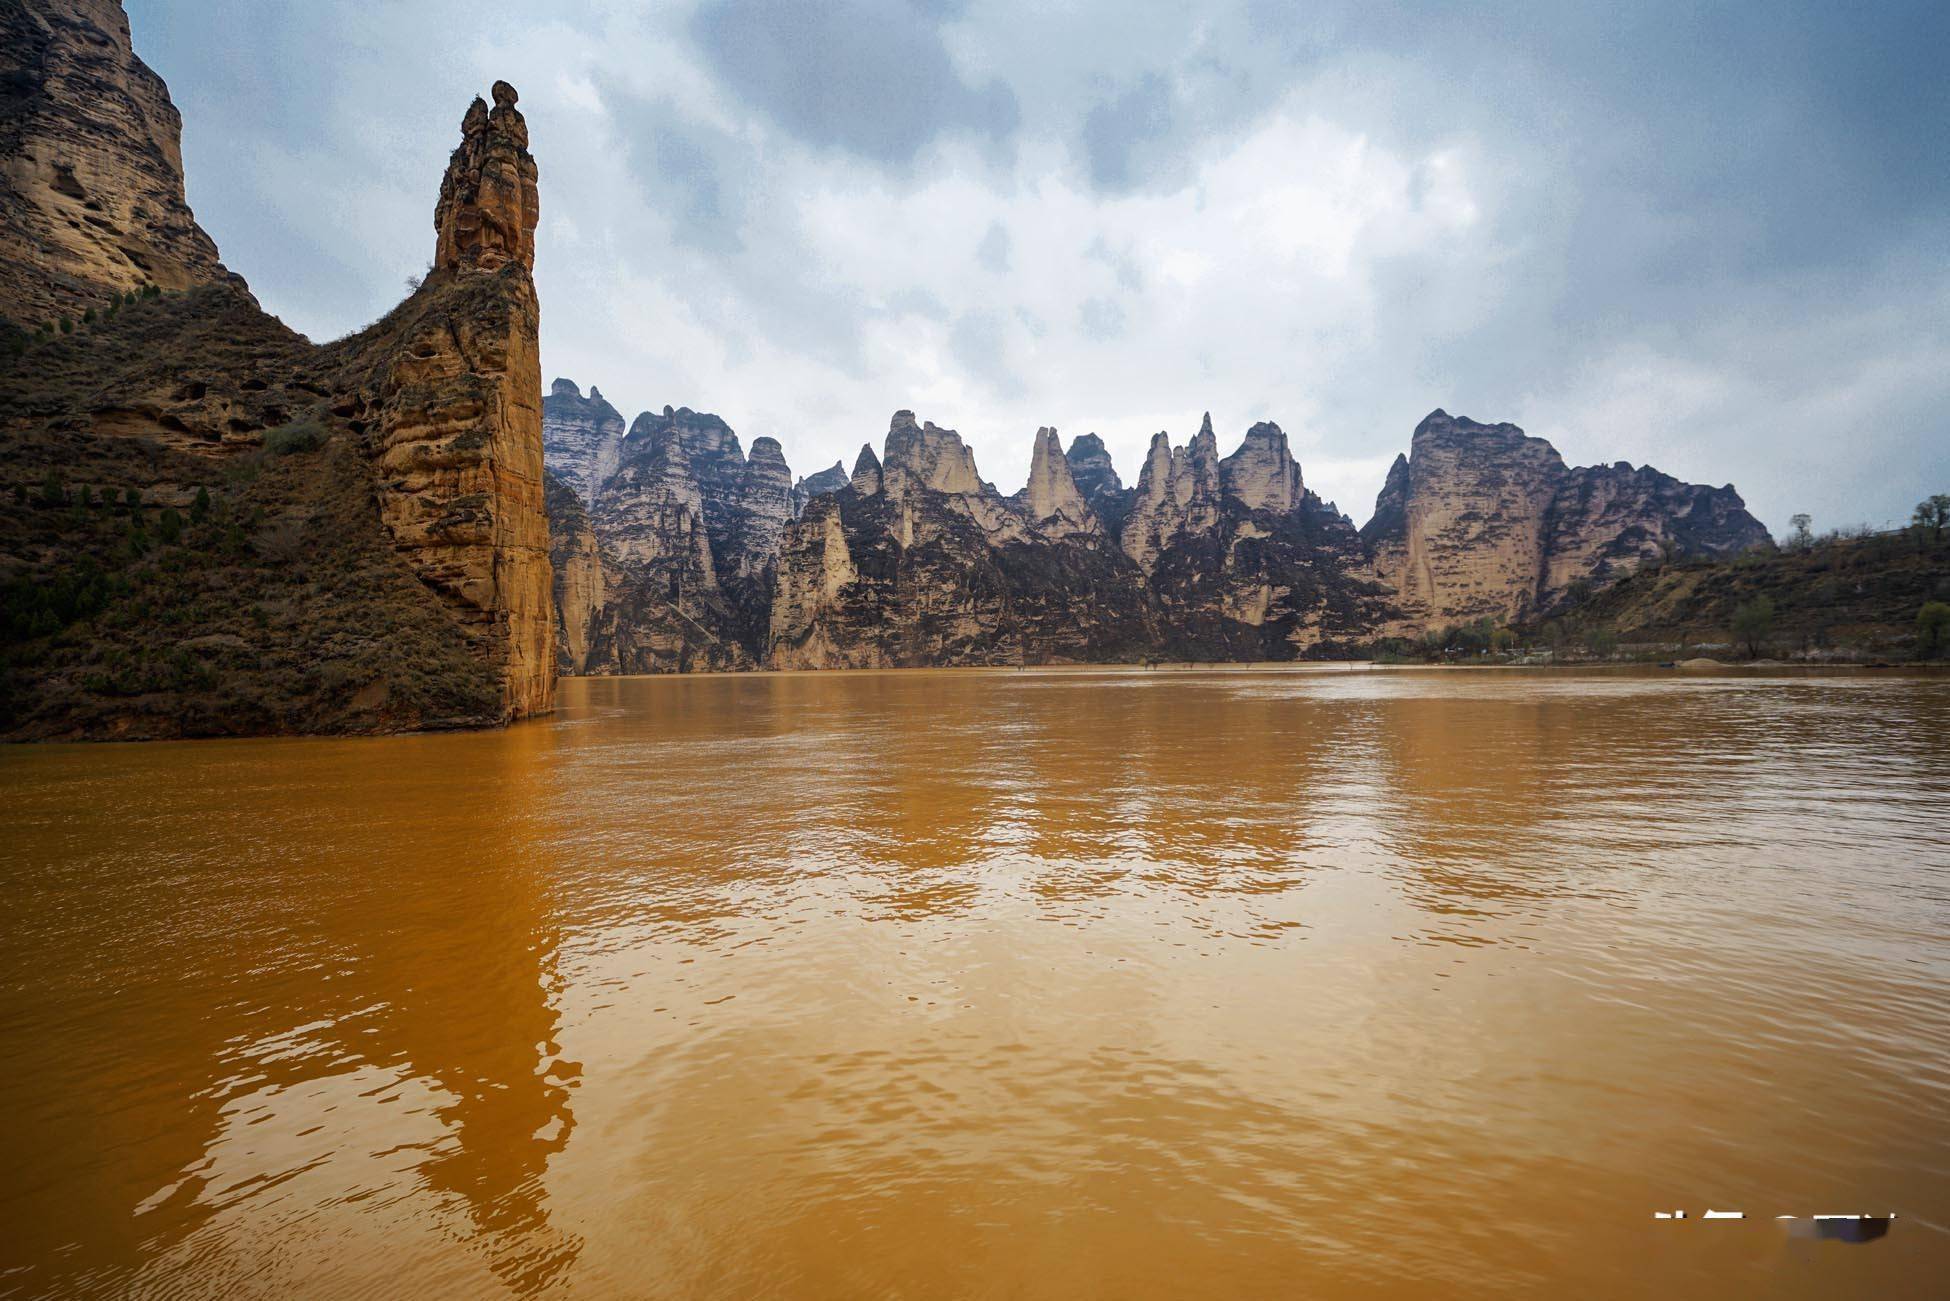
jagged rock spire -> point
(1262, 474)
(1051, 499)
(866, 471)
(489, 203)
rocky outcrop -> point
(458, 406)
(1257, 568)
(582, 438)
(918, 561)
(831, 479)
(1091, 467)
(1262, 474)
(581, 581)
(1486, 522)
(1051, 501)
(1178, 494)
(489, 201)
(688, 529)
(352, 536)
(91, 167)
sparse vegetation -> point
(305, 435)
(1933, 629)
(1752, 621)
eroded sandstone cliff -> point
(918, 561)
(582, 438)
(91, 168)
(684, 528)
(1486, 522)
(229, 529)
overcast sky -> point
(1711, 237)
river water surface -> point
(996, 984)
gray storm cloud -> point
(1713, 238)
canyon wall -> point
(914, 559)
(681, 523)
(1486, 522)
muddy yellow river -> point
(1121, 984)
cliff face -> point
(1483, 521)
(917, 561)
(238, 531)
(91, 167)
(582, 438)
(682, 525)
(457, 397)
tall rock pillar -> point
(460, 438)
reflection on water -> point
(999, 984)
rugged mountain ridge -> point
(224, 528)
(915, 559)
(1486, 522)
(674, 533)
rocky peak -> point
(1178, 492)
(488, 201)
(1391, 504)
(1484, 521)
(867, 477)
(91, 167)
(927, 457)
(1092, 468)
(1051, 500)
(1262, 474)
(831, 479)
(582, 438)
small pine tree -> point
(87, 495)
(88, 317)
(20, 494)
(52, 493)
(67, 326)
(200, 508)
(171, 525)
(132, 497)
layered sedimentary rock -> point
(685, 528)
(458, 405)
(1051, 500)
(1259, 568)
(914, 559)
(1178, 493)
(242, 532)
(582, 438)
(581, 573)
(1483, 521)
(918, 561)
(1093, 470)
(91, 167)
(831, 479)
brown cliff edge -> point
(216, 526)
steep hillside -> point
(219, 527)
(1844, 595)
